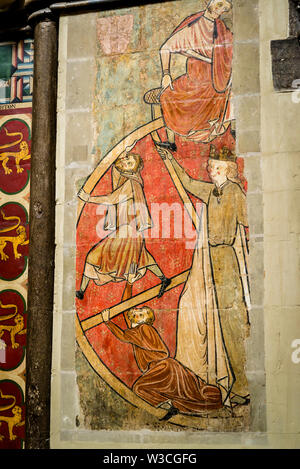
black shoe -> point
(164, 284)
(79, 294)
(171, 412)
(167, 145)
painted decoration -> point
(162, 293)
(114, 33)
(14, 155)
(11, 415)
(16, 71)
(14, 240)
(12, 328)
(16, 80)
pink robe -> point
(200, 102)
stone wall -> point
(280, 172)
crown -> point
(224, 154)
(208, 2)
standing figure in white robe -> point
(213, 311)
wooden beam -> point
(188, 205)
(136, 300)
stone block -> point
(68, 402)
(256, 272)
(246, 69)
(247, 113)
(257, 387)
(253, 173)
(274, 19)
(254, 206)
(80, 44)
(283, 324)
(71, 188)
(78, 137)
(80, 79)
(281, 272)
(281, 171)
(68, 290)
(69, 222)
(245, 30)
(255, 343)
(281, 219)
(278, 135)
(68, 342)
(248, 141)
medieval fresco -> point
(162, 291)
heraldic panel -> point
(16, 80)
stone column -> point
(42, 235)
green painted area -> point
(5, 62)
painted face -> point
(218, 7)
(127, 163)
(18, 319)
(138, 316)
(17, 410)
(217, 169)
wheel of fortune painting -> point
(114, 280)
(162, 293)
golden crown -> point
(224, 154)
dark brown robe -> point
(164, 378)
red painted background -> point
(172, 255)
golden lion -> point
(15, 419)
(17, 328)
(23, 154)
(19, 240)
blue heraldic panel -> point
(16, 71)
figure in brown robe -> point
(164, 382)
